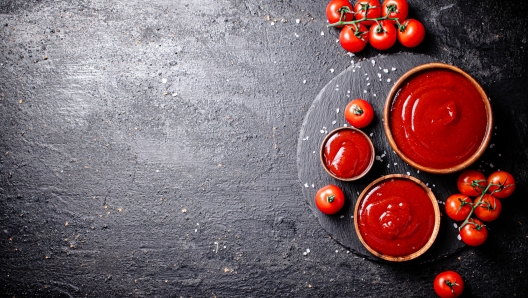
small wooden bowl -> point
(372, 153)
(386, 119)
(436, 227)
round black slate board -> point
(371, 80)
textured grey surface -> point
(148, 148)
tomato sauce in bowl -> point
(397, 217)
(438, 119)
(347, 153)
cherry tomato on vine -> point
(396, 9)
(330, 199)
(448, 284)
(411, 33)
(334, 9)
(458, 207)
(382, 36)
(489, 208)
(353, 40)
(474, 233)
(359, 113)
(471, 183)
(506, 182)
(372, 9)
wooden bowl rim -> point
(386, 115)
(373, 153)
(436, 227)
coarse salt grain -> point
(331, 70)
(322, 33)
(297, 21)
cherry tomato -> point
(489, 208)
(330, 199)
(471, 183)
(458, 207)
(334, 11)
(411, 33)
(474, 233)
(396, 9)
(448, 284)
(506, 182)
(372, 9)
(353, 40)
(359, 113)
(382, 36)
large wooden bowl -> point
(434, 233)
(386, 118)
(372, 153)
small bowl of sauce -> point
(347, 154)
(397, 218)
(438, 119)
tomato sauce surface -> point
(347, 153)
(438, 118)
(396, 217)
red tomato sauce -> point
(347, 153)
(438, 119)
(396, 217)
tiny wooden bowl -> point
(436, 209)
(485, 100)
(321, 154)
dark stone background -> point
(148, 148)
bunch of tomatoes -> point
(486, 204)
(387, 23)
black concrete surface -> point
(148, 149)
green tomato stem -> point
(477, 203)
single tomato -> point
(339, 10)
(448, 284)
(330, 199)
(411, 33)
(488, 209)
(474, 233)
(353, 38)
(369, 8)
(504, 184)
(359, 113)
(471, 183)
(395, 9)
(458, 207)
(382, 36)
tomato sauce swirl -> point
(347, 153)
(438, 118)
(396, 217)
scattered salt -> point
(458, 237)
(306, 185)
(322, 33)
(304, 82)
(388, 80)
(337, 110)
(385, 70)
(331, 70)
(393, 69)
(164, 80)
(272, 23)
(297, 21)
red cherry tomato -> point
(471, 183)
(372, 9)
(353, 40)
(334, 11)
(359, 113)
(396, 9)
(458, 207)
(448, 284)
(382, 36)
(489, 208)
(330, 199)
(474, 233)
(505, 182)
(411, 33)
